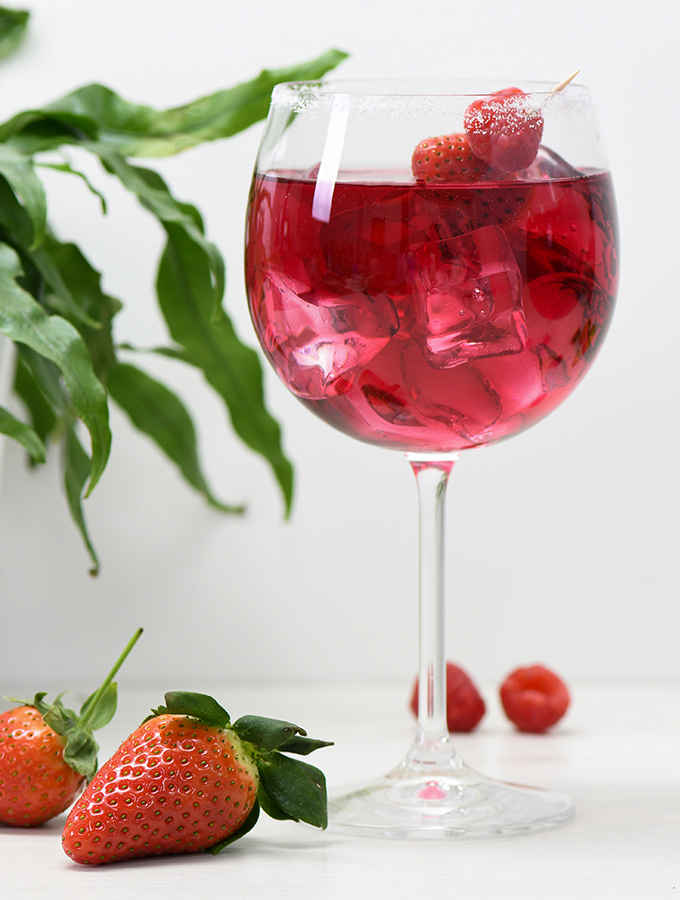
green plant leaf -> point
(94, 309)
(185, 294)
(157, 412)
(41, 413)
(55, 293)
(18, 170)
(297, 788)
(154, 195)
(13, 23)
(190, 286)
(24, 321)
(77, 468)
(130, 129)
(22, 434)
(68, 168)
(17, 227)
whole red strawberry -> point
(534, 698)
(465, 707)
(504, 130)
(189, 780)
(446, 159)
(47, 752)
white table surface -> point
(617, 753)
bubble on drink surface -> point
(466, 294)
(317, 342)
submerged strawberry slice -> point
(534, 698)
(446, 159)
(504, 130)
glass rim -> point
(385, 87)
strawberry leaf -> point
(303, 746)
(269, 806)
(296, 788)
(105, 708)
(266, 734)
(199, 706)
(81, 751)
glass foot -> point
(450, 802)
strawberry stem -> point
(96, 699)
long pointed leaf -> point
(41, 413)
(23, 434)
(157, 412)
(13, 24)
(24, 321)
(70, 170)
(153, 193)
(232, 369)
(76, 465)
(190, 284)
(92, 310)
(20, 174)
(137, 130)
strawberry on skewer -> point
(502, 135)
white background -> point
(562, 543)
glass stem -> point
(432, 476)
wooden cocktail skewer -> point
(564, 83)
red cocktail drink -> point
(432, 317)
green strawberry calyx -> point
(288, 788)
(81, 749)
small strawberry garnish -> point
(534, 698)
(464, 704)
(446, 159)
(188, 780)
(504, 130)
(48, 752)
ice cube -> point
(466, 294)
(459, 403)
(317, 341)
(549, 165)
